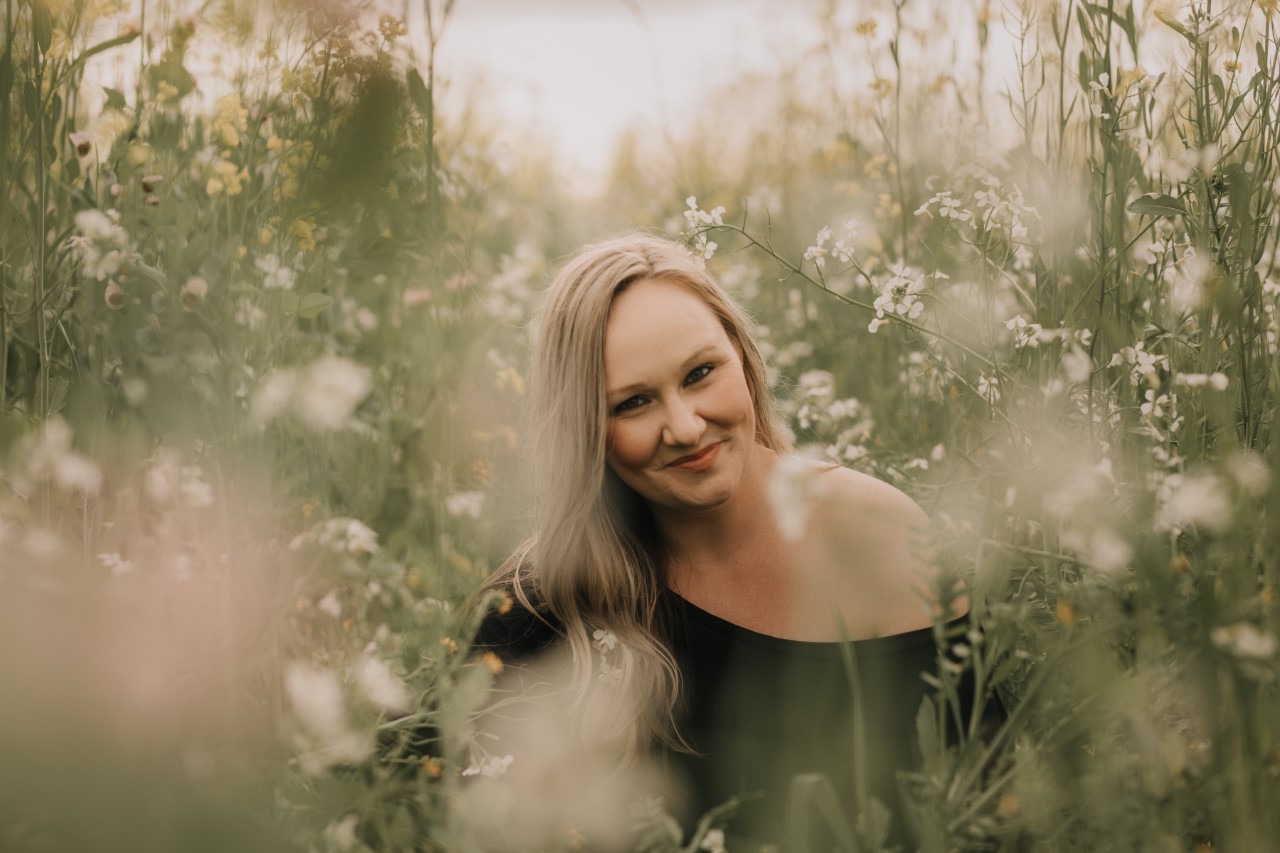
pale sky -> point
(583, 70)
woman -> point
(659, 564)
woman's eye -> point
(627, 405)
(697, 373)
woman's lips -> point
(700, 461)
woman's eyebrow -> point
(699, 355)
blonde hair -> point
(595, 561)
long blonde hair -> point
(595, 561)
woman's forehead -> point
(655, 321)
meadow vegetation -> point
(263, 326)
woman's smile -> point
(699, 461)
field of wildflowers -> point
(262, 334)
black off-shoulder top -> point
(761, 710)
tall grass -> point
(261, 313)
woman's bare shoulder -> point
(888, 540)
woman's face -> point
(681, 424)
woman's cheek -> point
(626, 445)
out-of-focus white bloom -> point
(316, 698)
(330, 606)
(1076, 365)
(713, 841)
(134, 390)
(194, 292)
(275, 276)
(1244, 640)
(1186, 280)
(1200, 499)
(272, 395)
(248, 314)
(900, 294)
(380, 686)
(329, 392)
(49, 456)
(117, 564)
(1102, 548)
(988, 388)
(323, 395)
(1025, 334)
(817, 253)
(346, 536)
(491, 767)
(102, 243)
(464, 504)
(167, 479)
(340, 836)
(1216, 381)
(793, 487)
(1250, 473)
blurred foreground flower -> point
(322, 395)
(325, 739)
(793, 489)
(48, 457)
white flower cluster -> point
(48, 457)
(1032, 335)
(510, 295)
(794, 486)
(275, 275)
(346, 536)
(491, 767)
(698, 219)
(606, 643)
(103, 243)
(842, 249)
(1216, 381)
(1143, 365)
(464, 504)
(1161, 409)
(900, 296)
(325, 737)
(1244, 641)
(1201, 499)
(844, 423)
(323, 395)
(168, 480)
(947, 206)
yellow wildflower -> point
(60, 45)
(266, 234)
(431, 766)
(231, 121)
(450, 645)
(492, 661)
(509, 377)
(227, 178)
(866, 27)
(304, 230)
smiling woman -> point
(659, 564)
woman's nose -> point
(684, 426)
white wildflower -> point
(329, 391)
(340, 836)
(346, 536)
(275, 275)
(794, 487)
(604, 641)
(1201, 500)
(380, 685)
(464, 504)
(116, 564)
(491, 767)
(1250, 473)
(1244, 640)
(330, 606)
(316, 698)
(713, 841)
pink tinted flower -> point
(194, 291)
(115, 295)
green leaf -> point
(31, 100)
(1157, 204)
(1120, 22)
(57, 395)
(418, 91)
(115, 100)
(1172, 24)
(173, 72)
(42, 26)
(90, 52)
(6, 72)
(927, 729)
(313, 305)
(873, 825)
(1004, 670)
